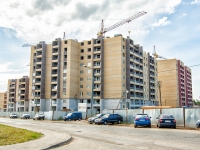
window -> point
(88, 94)
(81, 64)
(89, 57)
(81, 86)
(88, 71)
(89, 50)
(123, 77)
(82, 50)
(64, 93)
(65, 42)
(123, 55)
(123, 47)
(81, 79)
(89, 42)
(65, 49)
(88, 78)
(123, 85)
(123, 62)
(82, 58)
(88, 101)
(81, 72)
(64, 101)
(88, 86)
(89, 64)
(124, 69)
(81, 94)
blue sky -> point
(173, 26)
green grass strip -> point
(11, 135)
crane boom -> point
(104, 30)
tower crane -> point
(101, 33)
(156, 55)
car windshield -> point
(167, 116)
(106, 116)
(142, 116)
(69, 114)
(98, 115)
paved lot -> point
(114, 137)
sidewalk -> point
(51, 139)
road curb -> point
(59, 144)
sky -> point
(173, 26)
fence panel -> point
(177, 113)
(191, 117)
(153, 113)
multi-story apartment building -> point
(98, 72)
(3, 101)
(17, 99)
(176, 88)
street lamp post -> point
(92, 94)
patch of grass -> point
(11, 135)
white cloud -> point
(183, 15)
(161, 22)
(195, 2)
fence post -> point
(184, 116)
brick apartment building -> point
(176, 88)
(17, 99)
(59, 80)
(3, 101)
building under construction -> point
(105, 73)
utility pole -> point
(159, 86)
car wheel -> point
(33, 119)
(135, 126)
(105, 122)
(174, 127)
(79, 119)
(150, 126)
(159, 126)
(119, 122)
(43, 118)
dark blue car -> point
(142, 120)
(166, 120)
(109, 118)
(73, 116)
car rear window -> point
(167, 117)
(142, 116)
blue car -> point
(142, 120)
(73, 116)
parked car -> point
(92, 119)
(13, 115)
(109, 118)
(39, 117)
(73, 116)
(142, 120)
(198, 124)
(166, 120)
(25, 116)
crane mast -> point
(156, 55)
(104, 30)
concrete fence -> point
(185, 117)
(50, 115)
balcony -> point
(96, 96)
(97, 89)
(96, 104)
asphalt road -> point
(115, 137)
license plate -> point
(167, 121)
(142, 120)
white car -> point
(13, 115)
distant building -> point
(17, 99)
(176, 88)
(3, 101)
(59, 80)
